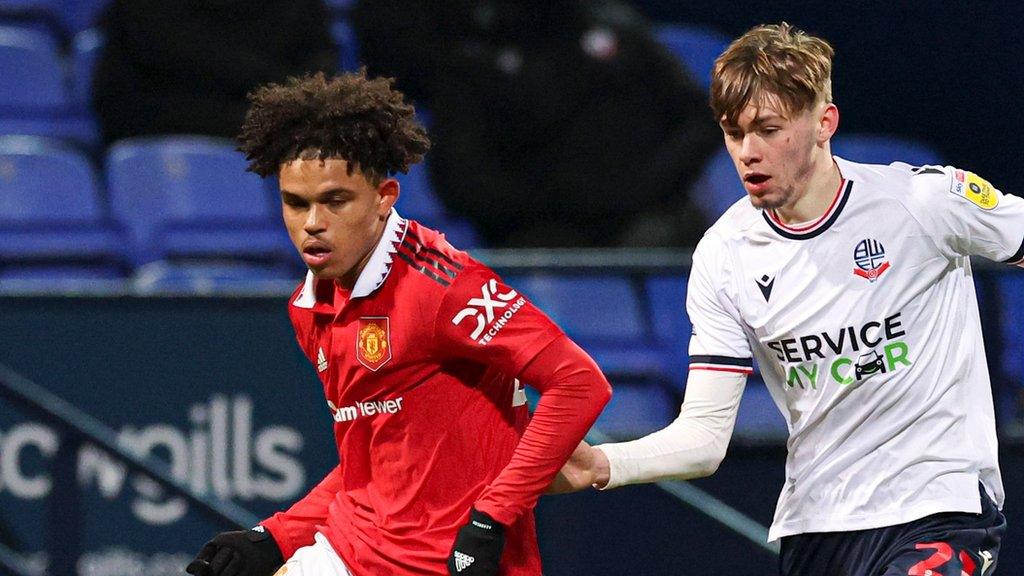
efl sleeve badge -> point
(975, 188)
(373, 344)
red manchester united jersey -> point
(418, 364)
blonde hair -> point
(771, 63)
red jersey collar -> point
(376, 269)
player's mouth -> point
(756, 183)
(315, 253)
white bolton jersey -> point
(865, 326)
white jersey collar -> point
(377, 267)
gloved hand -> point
(478, 545)
(240, 553)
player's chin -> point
(326, 271)
(766, 201)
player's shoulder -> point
(435, 269)
(898, 180)
(419, 235)
(427, 253)
(921, 188)
(890, 179)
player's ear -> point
(387, 194)
(828, 122)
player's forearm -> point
(692, 446)
(573, 392)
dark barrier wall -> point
(215, 386)
(219, 386)
(944, 72)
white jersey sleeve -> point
(967, 216)
(718, 341)
(690, 447)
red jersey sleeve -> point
(573, 393)
(483, 319)
(295, 528)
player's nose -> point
(749, 151)
(315, 222)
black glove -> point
(241, 553)
(478, 545)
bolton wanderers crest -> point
(869, 256)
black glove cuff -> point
(484, 525)
(264, 540)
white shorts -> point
(317, 559)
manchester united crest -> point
(373, 346)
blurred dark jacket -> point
(555, 123)
(185, 66)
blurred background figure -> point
(557, 123)
(185, 66)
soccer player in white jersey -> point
(851, 285)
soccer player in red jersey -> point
(421, 350)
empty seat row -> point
(166, 198)
(44, 93)
(58, 17)
(41, 94)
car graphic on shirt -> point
(868, 364)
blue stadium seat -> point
(50, 210)
(718, 187)
(696, 46)
(79, 129)
(348, 48)
(883, 149)
(40, 15)
(34, 95)
(31, 73)
(603, 314)
(419, 202)
(666, 296)
(637, 408)
(85, 51)
(759, 420)
(417, 199)
(460, 233)
(598, 309)
(79, 15)
(186, 197)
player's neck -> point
(820, 191)
(348, 280)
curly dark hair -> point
(362, 120)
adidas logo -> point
(259, 528)
(321, 360)
(462, 561)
